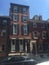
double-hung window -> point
(24, 10)
(3, 33)
(13, 42)
(35, 35)
(42, 25)
(25, 30)
(43, 34)
(15, 29)
(34, 25)
(15, 9)
(24, 18)
(15, 17)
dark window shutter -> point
(17, 29)
(22, 18)
(28, 28)
(22, 30)
(11, 29)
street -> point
(43, 61)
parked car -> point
(18, 60)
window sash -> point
(15, 30)
(15, 17)
(24, 10)
(34, 25)
(35, 35)
(42, 25)
(43, 35)
(25, 31)
(15, 9)
(24, 18)
(3, 33)
(21, 45)
(13, 45)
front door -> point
(33, 47)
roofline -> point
(19, 4)
(5, 16)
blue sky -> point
(37, 7)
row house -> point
(40, 36)
(4, 34)
(21, 35)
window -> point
(36, 17)
(4, 21)
(42, 25)
(34, 25)
(43, 34)
(25, 30)
(15, 29)
(15, 9)
(25, 46)
(35, 35)
(24, 18)
(3, 33)
(13, 42)
(15, 17)
(21, 45)
(24, 10)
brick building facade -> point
(23, 35)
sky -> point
(37, 7)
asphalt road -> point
(43, 61)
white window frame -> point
(14, 17)
(21, 46)
(24, 10)
(34, 25)
(35, 36)
(15, 29)
(15, 9)
(13, 46)
(36, 17)
(3, 31)
(42, 25)
(44, 32)
(24, 18)
(25, 30)
(25, 46)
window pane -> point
(35, 35)
(25, 29)
(42, 25)
(24, 10)
(43, 35)
(34, 25)
(4, 21)
(15, 30)
(3, 33)
(21, 45)
(13, 42)
(25, 18)
(15, 17)
(15, 9)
